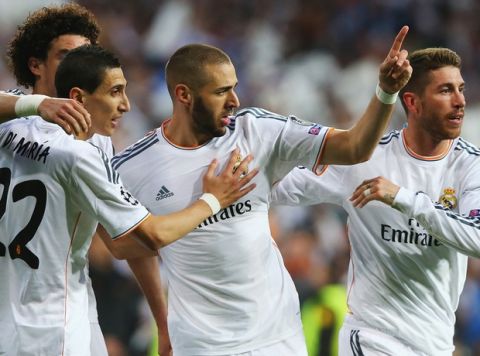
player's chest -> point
(435, 178)
(166, 188)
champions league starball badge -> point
(128, 197)
(448, 198)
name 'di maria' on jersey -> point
(28, 149)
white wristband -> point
(212, 202)
(27, 105)
(384, 97)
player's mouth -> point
(456, 119)
(116, 122)
(226, 118)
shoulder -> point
(72, 150)
(14, 123)
(104, 143)
(466, 148)
(466, 157)
(27, 127)
(82, 160)
(14, 91)
(134, 150)
(390, 137)
(259, 113)
(258, 116)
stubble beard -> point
(204, 120)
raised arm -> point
(458, 231)
(157, 231)
(357, 144)
(67, 113)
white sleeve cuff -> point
(404, 201)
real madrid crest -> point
(448, 198)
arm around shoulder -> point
(155, 232)
(7, 107)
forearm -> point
(358, 143)
(147, 273)
(126, 246)
(159, 231)
(7, 107)
(303, 187)
(367, 132)
(454, 230)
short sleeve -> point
(291, 142)
(469, 202)
(97, 190)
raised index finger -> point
(398, 41)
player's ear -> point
(411, 101)
(77, 94)
(183, 94)
(34, 65)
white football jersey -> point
(228, 289)
(106, 145)
(54, 192)
(404, 279)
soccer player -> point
(407, 266)
(55, 190)
(229, 291)
(34, 53)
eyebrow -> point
(227, 87)
(450, 84)
(119, 85)
(63, 51)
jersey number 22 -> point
(30, 188)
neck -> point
(180, 131)
(84, 135)
(424, 144)
(40, 88)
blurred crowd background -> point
(315, 59)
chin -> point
(106, 132)
(220, 132)
(453, 134)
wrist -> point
(385, 97)
(212, 202)
(27, 105)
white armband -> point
(27, 105)
(384, 97)
(212, 202)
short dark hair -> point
(186, 65)
(84, 67)
(424, 61)
(34, 37)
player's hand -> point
(70, 115)
(164, 346)
(378, 188)
(231, 184)
(395, 71)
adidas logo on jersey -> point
(164, 193)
